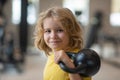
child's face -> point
(55, 35)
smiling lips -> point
(54, 42)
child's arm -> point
(62, 56)
(75, 77)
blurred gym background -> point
(20, 60)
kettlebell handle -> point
(71, 70)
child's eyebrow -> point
(60, 27)
(46, 29)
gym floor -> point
(34, 64)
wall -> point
(45, 4)
(10, 26)
(105, 7)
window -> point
(32, 11)
(115, 13)
(16, 11)
(80, 8)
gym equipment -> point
(87, 63)
(95, 28)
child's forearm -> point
(75, 77)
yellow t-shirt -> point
(52, 71)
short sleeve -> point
(87, 78)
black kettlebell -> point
(87, 63)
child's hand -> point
(61, 55)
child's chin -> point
(56, 49)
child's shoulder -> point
(74, 50)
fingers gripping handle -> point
(71, 70)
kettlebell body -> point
(87, 62)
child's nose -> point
(53, 35)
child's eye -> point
(47, 31)
(60, 30)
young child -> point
(56, 33)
